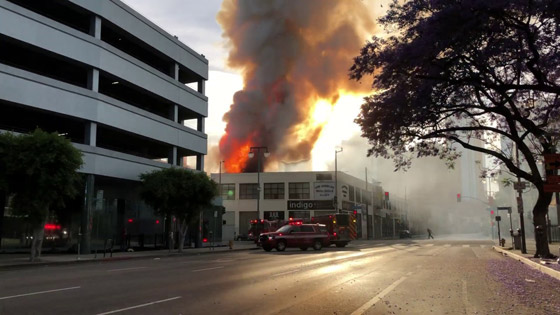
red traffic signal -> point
(458, 197)
(491, 211)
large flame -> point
(294, 56)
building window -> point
(323, 177)
(248, 191)
(228, 191)
(358, 195)
(366, 197)
(351, 193)
(274, 191)
(299, 191)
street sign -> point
(519, 185)
(498, 218)
(552, 161)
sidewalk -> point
(19, 260)
(547, 266)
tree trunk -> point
(37, 243)
(539, 221)
(3, 197)
(183, 227)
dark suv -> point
(296, 234)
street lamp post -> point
(336, 151)
(252, 151)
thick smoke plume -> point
(292, 54)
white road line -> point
(138, 306)
(35, 293)
(482, 246)
(378, 297)
(124, 269)
(428, 245)
(466, 245)
(285, 273)
(447, 245)
(197, 270)
(468, 308)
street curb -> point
(551, 272)
(112, 259)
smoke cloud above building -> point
(292, 55)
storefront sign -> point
(310, 204)
(324, 190)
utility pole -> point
(336, 151)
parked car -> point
(296, 234)
(405, 234)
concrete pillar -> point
(175, 71)
(93, 80)
(87, 218)
(91, 134)
(202, 86)
(172, 158)
(95, 27)
(200, 124)
(200, 162)
(174, 113)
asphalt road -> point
(411, 277)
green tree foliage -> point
(480, 74)
(179, 193)
(41, 173)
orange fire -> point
(239, 153)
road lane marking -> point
(125, 269)
(141, 305)
(428, 245)
(35, 293)
(482, 246)
(447, 245)
(197, 270)
(378, 297)
(285, 273)
(466, 245)
(468, 307)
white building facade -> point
(284, 195)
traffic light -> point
(386, 195)
(458, 197)
(492, 212)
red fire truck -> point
(259, 226)
(341, 227)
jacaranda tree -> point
(480, 74)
